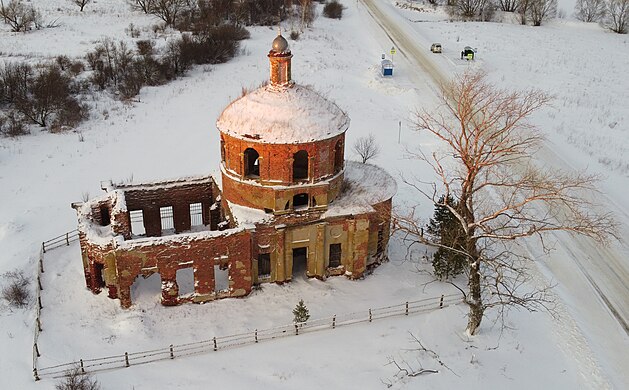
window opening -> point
(287, 206)
(300, 165)
(338, 156)
(222, 150)
(196, 214)
(335, 255)
(137, 222)
(221, 278)
(264, 265)
(252, 163)
(380, 247)
(185, 281)
(105, 217)
(300, 201)
(166, 216)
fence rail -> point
(64, 239)
(252, 337)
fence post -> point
(41, 263)
(441, 302)
(67, 239)
(37, 350)
(39, 301)
(82, 368)
(126, 359)
(35, 373)
(43, 247)
(296, 330)
(256, 335)
(334, 322)
(172, 353)
(215, 346)
(37, 320)
(39, 283)
(406, 313)
(369, 315)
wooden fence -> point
(173, 351)
(62, 240)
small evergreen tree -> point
(301, 312)
(447, 263)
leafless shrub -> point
(590, 10)
(508, 5)
(142, 5)
(20, 17)
(15, 290)
(13, 124)
(81, 3)
(617, 18)
(333, 10)
(76, 379)
(366, 148)
(169, 10)
(294, 35)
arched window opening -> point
(222, 150)
(338, 156)
(287, 205)
(252, 163)
(300, 201)
(300, 165)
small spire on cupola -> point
(280, 61)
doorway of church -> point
(300, 262)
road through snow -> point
(592, 279)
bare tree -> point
(501, 196)
(508, 5)
(366, 148)
(20, 17)
(541, 10)
(617, 18)
(523, 10)
(145, 6)
(81, 3)
(590, 10)
(467, 9)
(168, 10)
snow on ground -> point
(171, 132)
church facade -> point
(287, 205)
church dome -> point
(289, 116)
(280, 44)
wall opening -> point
(166, 217)
(196, 214)
(221, 278)
(98, 274)
(264, 265)
(338, 156)
(314, 202)
(252, 163)
(335, 255)
(300, 165)
(105, 217)
(146, 289)
(137, 222)
(223, 150)
(300, 261)
(300, 201)
(185, 281)
(380, 246)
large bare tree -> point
(501, 197)
(590, 10)
(617, 18)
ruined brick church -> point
(287, 205)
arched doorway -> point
(252, 163)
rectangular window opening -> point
(166, 216)
(221, 279)
(137, 222)
(196, 214)
(335, 255)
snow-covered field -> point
(170, 132)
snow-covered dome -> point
(285, 116)
(280, 44)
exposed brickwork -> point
(295, 237)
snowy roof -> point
(283, 115)
(367, 185)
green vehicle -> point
(467, 53)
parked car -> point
(468, 53)
(435, 48)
